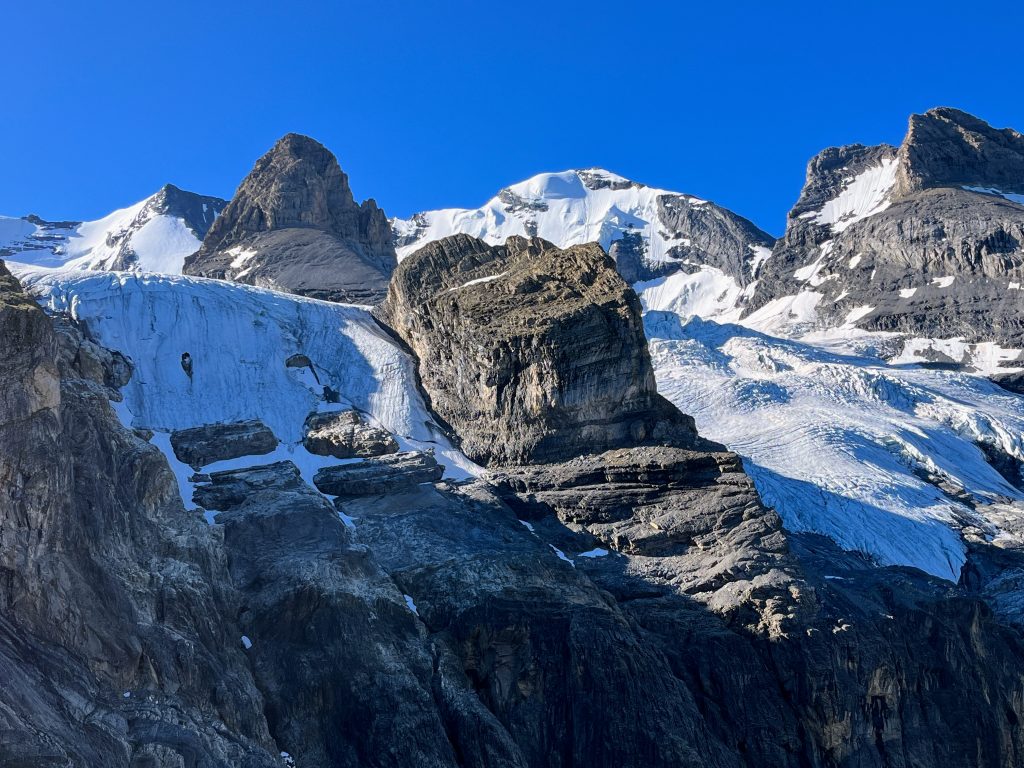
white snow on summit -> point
(151, 241)
(565, 210)
(863, 195)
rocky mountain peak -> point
(946, 147)
(298, 183)
(924, 239)
(294, 225)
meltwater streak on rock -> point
(529, 352)
(294, 226)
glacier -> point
(883, 458)
(239, 339)
(845, 432)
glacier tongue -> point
(849, 446)
(238, 339)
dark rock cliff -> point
(117, 638)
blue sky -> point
(433, 105)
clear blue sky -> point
(431, 104)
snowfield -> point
(156, 242)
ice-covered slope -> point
(885, 459)
(649, 232)
(238, 340)
(154, 235)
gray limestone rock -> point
(117, 644)
(381, 475)
(199, 446)
(937, 253)
(294, 226)
(530, 352)
(231, 487)
(946, 147)
(346, 435)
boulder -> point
(530, 353)
(199, 446)
(345, 435)
(383, 475)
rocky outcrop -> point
(294, 226)
(346, 435)
(382, 475)
(690, 519)
(703, 234)
(945, 147)
(924, 240)
(529, 352)
(117, 644)
(231, 487)
(204, 445)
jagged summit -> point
(294, 225)
(947, 147)
(923, 240)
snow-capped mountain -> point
(154, 235)
(241, 524)
(924, 240)
(648, 232)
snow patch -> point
(561, 555)
(863, 196)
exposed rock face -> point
(529, 352)
(346, 435)
(925, 240)
(231, 487)
(293, 225)
(948, 148)
(386, 474)
(116, 642)
(706, 235)
(204, 445)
